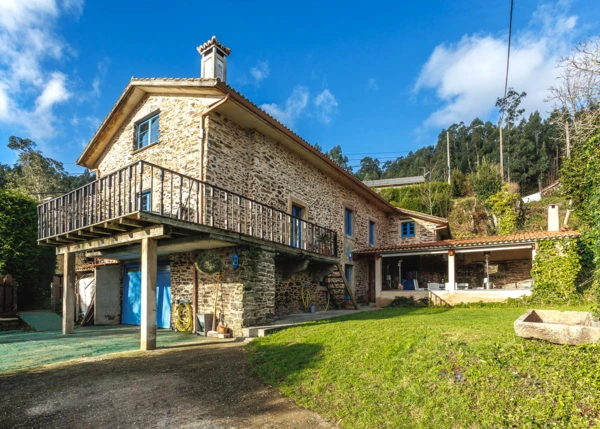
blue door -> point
(132, 296)
(296, 226)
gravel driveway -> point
(193, 386)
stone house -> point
(190, 166)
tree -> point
(31, 266)
(34, 173)
(577, 96)
(37, 175)
(509, 110)
(486, 181)
(369, 169)
(335, 154)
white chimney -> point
(214, 59)
(553, 218)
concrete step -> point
(9, 323)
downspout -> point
(195, 297)
(203, 136)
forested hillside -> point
(533, 149)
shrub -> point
(508, 209)
(31, 266)
(410, 302)
(555, 270)
(486, 181)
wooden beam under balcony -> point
(155, 232)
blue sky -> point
(378, 78)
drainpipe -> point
(195, 296)
(203, 131)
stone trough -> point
(559, 327)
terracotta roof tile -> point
(524, 237)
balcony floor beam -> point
(154, 232)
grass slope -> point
(432, 368)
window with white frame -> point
(147, 132)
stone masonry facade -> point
(257, 166)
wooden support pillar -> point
(149, 262)
(378, 275)
(68, 311)
(451, 271)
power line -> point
(512, 3)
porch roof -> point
(473, 243)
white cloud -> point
(294, 106)
(54, 92)
(372, 85)
(326, 105)
(468, 76)
(260, 71)
(299, 105)
(29, 45)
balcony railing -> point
(147, 188)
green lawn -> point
(432, 368)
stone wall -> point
(179, 141)
(246, 294)
(261, 168)
(508, 274)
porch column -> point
(378, 276)
(148, 268)
(68, 310)
(451, 271)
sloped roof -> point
(398, 181)
(138, 87)
(494, 240)
(422, 216)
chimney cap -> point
(213, 42)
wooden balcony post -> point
(68, 311)
(149, 262)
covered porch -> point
(488, 269)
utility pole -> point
(568, 140)
(448, 152)
(501, 153)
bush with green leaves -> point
(31, 266)
(431, 197)
(580, 179)
(508, 209)
(555, 270)
(486, 181)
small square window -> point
(146, 201)
(147, 132)
(349, 222)
(371, 233)
(407, 229)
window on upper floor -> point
(147, 132)
(407, 229)
(371, 233)
(349, 222)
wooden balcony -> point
(142, 193)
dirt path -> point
(196, 386)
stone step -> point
(9, 323)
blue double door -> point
(132, 296)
